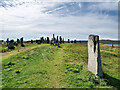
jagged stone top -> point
(93, 35)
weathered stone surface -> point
(94, 59)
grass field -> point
(45, 66)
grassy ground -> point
(45, 66)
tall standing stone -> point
(53, 37)
(18, 41)
(42, 39)
(48, 40)
(68, 40)
(53, 40)
(32, 41)
(7, 41)
(21, 41)
(94, 59)
(60, 39)
(57, 39)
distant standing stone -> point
(31, 41)
(18, 41)
(60, 39)
(11, 44)
(75, 41)
(68, 40)
(7, 41)
(21, 41)
(57, 40)
(94, 59)
(71, 41)
(48, 40)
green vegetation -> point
(4, 47)
(45, 66)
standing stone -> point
(42, 39)
(94, 60)
(11, 44)
(21, 41)
(71, 41)
(60, 39)
(57, 40)
(74, 41)
(48, 40)
(32, 41)
(7, 41)
(53, 40)
(18, 41)
(53, 37)
(68, 40)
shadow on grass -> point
(112, 81)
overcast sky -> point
(32, 19)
